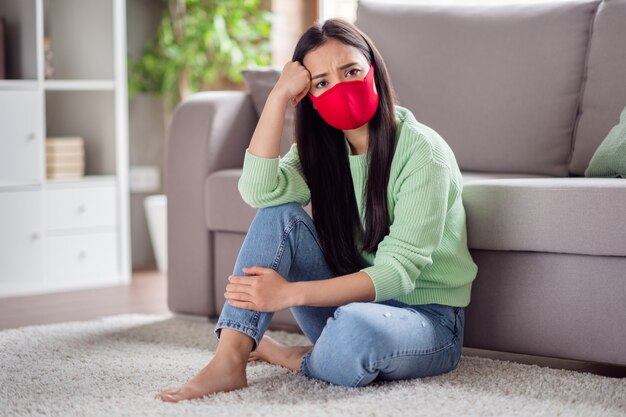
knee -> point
(283, 214)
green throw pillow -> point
(609, 160)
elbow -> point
(256, 199)
(398, 275)
(391, 279)
(247, 195)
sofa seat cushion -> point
(471, 176)
(574, 215)
(225, 210)
(504, 212)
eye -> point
(321, 84)
(352, 72)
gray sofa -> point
(524, 94)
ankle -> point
(234, 360)
(235, 339)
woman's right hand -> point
(294, 82)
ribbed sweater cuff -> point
(386, 281)
(259, 173)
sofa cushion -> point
(604, 94)
(226, 211)
(561, 215)
(224, 208)
(504, 212)
(500, 83)
(260, 82)
(471, 176)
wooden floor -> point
(147, 293)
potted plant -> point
(202, 45)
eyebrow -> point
(344, 66)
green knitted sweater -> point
(424, 259)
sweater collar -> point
(359, 160)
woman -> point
(379, 281)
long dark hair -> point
(324, 158)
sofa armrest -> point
(209, 132)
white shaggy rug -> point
(115, 366)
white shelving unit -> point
(60, 234)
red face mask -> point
(348, 104)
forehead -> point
(330, 55)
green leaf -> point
(219, 39)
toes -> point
(176, 396)
(169, 394)
(255, 355)
(167, 398)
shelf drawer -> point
(81, 207)
(21, 239)
(86, 258)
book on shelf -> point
(60, 158)
(65, 170)
(64, 143)
(65, 157)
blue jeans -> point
(356, 343)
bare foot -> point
(269, 350)
(217, 376)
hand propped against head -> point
(294, 83)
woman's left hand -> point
(263, 289)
